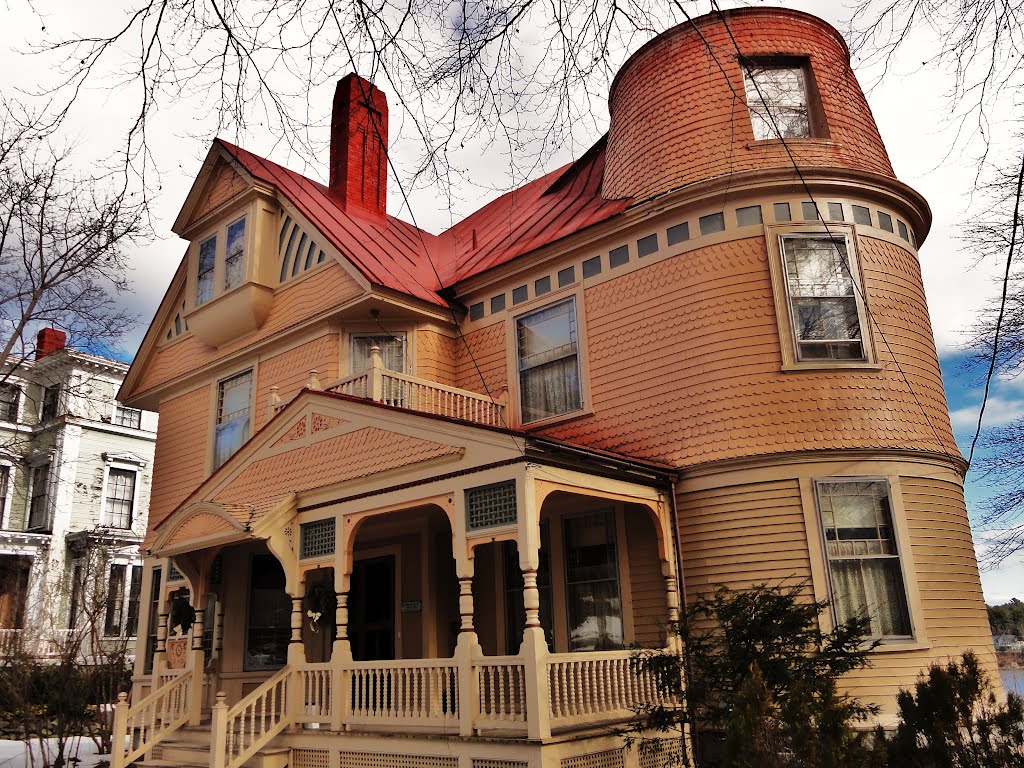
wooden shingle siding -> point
(436, 356)
(224, 184)
(741, 536)
(293, 304)
(179, 464)
(289, 371)
(699, 332)
(482, 354)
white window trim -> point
(918, 639)
(8, 500)
(574, 292)
(33, 465)
(118, 405)
(130, 464)
(774, 233)
(19, 414)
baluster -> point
(605, 692)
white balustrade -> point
(501, 682)
(598, 684)
(255, 720)
(416, 692)
(356, 386)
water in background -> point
(1013, 680)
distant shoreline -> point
(1010, 659)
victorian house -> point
(75, 472)
(423, 492)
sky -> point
(908, 103)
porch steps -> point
(191, 749)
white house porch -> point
(498, 600)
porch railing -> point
(501, 683)
(404, 391)
(585, 686)
(151, 720)
(314, 685)
(422, 692)
(243, 730)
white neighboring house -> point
(75, 475)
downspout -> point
(681, 591)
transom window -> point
(10, 395)
(204, 274)
(234, 405)
(824, 307)
(234, 258)
(120, 501)
(127, 417)
(777, 97)
(548, 361)
(864, 561)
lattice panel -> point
(488, 506)
(660, 753)
(377, 760)
(310, 758)
(610, 758)
(481, 762)
(316, 539)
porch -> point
(498, 603)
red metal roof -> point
(395, 254)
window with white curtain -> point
(593, 601)
(864, 561)
(548, 360)
(392, 350)
(234, 406)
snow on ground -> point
(13, 754)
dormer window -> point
(782, 99)
(204, 275)
(234, 260)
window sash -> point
(550, 383)
(594, 603)
(777, 100)
(234, 406)
(39, 508)
(51, 403)
(10, 396)
(392, 351)
(234, 259)
(204, 274)
(127, 417)
(134, 602)
(115, 601)
(824, 309)
(120, 497)
(865, 568)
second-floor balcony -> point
(402, 390)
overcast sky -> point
(908, 104)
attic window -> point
(234, 261)
(204, 275)
(782, 99)
(297, 250)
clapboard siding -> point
(179, 464)
(647, 583)
(289, 372)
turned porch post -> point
(467, 647)
(199, 599)
(534, 649)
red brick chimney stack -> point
(48, 341)
(359, 136)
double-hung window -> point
(779, 99)
(115, 600)
(207, 265)
(234, 257)
(865, 573)
(39, 504)
(127, 417)
(548, 361)
(120, 500)
(824, 306)
(234, 406)
(10, 395)
(51, 403)
(592, 582)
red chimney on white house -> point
(359, 145)
(48, 341)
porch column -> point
(672, 600)
(161, 641)
(341, 653)
(534, 649)
(467, 647)
(199, 600)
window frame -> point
(902, 556)
(19, 400)
(216, 414)
(33, 494)
(243, 220)
(400, 333)
(817, 126)
(109, 469)
(572, 293)
(56, 391)
(117, 418)
(789, 342)
(218, 272)
(200, 273)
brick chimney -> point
(48, 341)
(359, 136)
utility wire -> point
(745, 62)
(1002, 312)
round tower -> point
(777, 318)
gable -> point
(224, 183)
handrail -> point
(156, 717)
(248, 726)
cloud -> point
(999, 412)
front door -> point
(371, 622)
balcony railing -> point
(404, 391)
